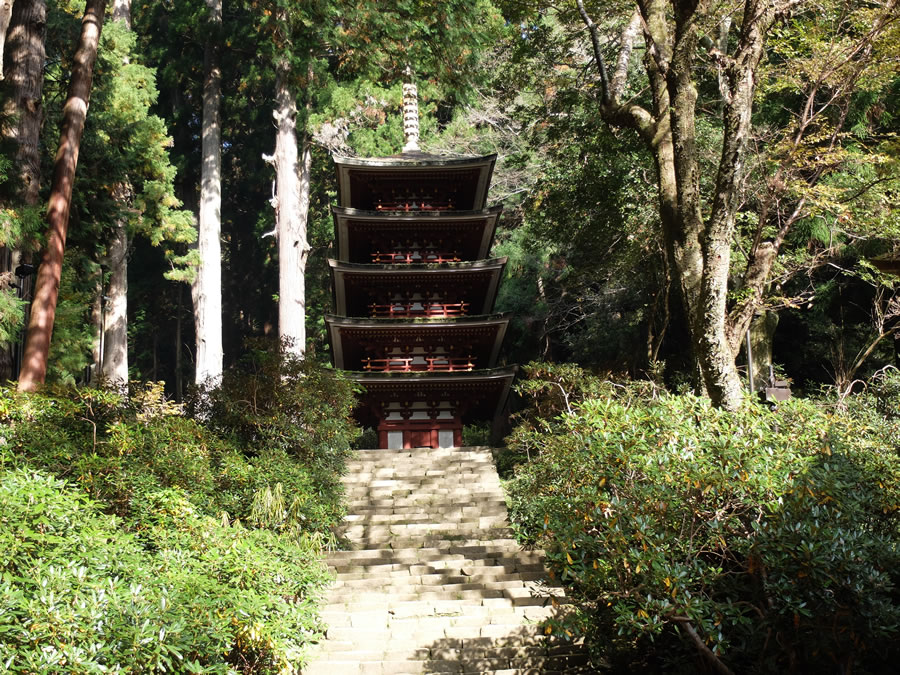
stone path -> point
(435, 583)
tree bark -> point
(43, 310)
(179, 376)
(24, 68)
(114, 370)
(207, 288)
(122, 12)
(698, 247)
(114, 364)
(6, 9)
(291, 211)
(97, 310)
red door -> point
(420, 439)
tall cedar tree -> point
(114, 356)
(43, 310)
(23, 70)
(207, 286)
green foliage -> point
(274, 401)
(771, 533)
(73, 336)
(476, 435)
(188, 594)
(12, 314)
(134, 537)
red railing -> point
(414, 204)
(428, 256)
(413, 309)
(405, 364)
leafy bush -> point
(78, 594)
(273, 400)
(761, 540)
(134, 538)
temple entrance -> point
(408, 435)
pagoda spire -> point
(410, 114)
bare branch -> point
(598, 54)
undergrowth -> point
(137, 537)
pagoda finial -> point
(410, 114)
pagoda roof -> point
(476, 336)
(474, 229)
(356, 285)
(360, 179)
(478, 394)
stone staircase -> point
(435, 583)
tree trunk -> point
(43, 310)
(291, 211)
(207, 288)
(23, 114)
(179, 377)
(6, 9)
(97, 310)
(122, 12)
(24, 68)
(762, 337)
(114, 367)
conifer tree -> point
(40, 326)
(207, 287)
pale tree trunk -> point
(682, 244)
(122, 12)
(291, 212)
(97, 332)
(114, 363)
(292, 188)
(179, 377)
(43, 309)
(114, 369)
(207, 287)
(717, 367)
(6, 9)
(739, 85)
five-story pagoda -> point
(414, 292)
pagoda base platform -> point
(409, 434)
(428, 409)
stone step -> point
(406, 496)
(427, 523)
(434, 581)
(390, 560)
(394, 474)
(420, 504)
(482, 572)
(418, 516)
(509, 597)
(474, 509)
(380, 613)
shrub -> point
(761, 540)
(272, 400)
(78, 594)
(134, 538)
